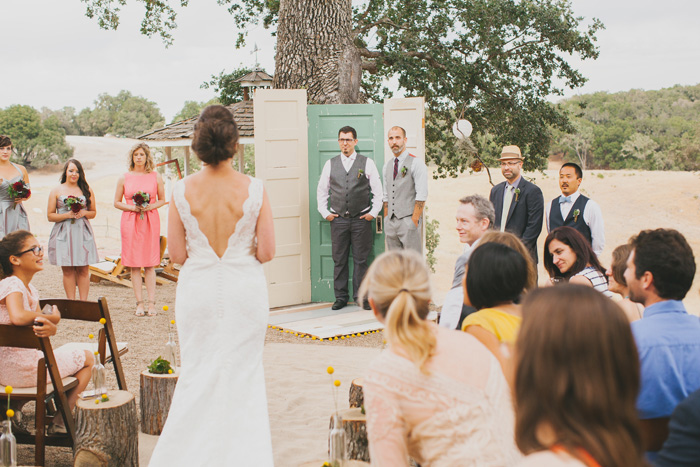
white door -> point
(409, 114)
(281, 161)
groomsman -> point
(352, 183)
(519, 204)
(572, 209)
(405, 192)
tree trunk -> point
(107, 433)
(357, 398)
(156, 397)
(315, 51)
(355, 426)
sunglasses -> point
(37, 250)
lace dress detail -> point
(221, 311)
(18, 366)
(436, 419)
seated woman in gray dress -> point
(72, 241)
(12, 214)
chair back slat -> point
(18, 336)
(74, 309)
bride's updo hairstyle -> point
(215, 135)
(11, 245)
(398, 284)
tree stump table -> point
(355, 427)
(106, 434)
(156, 397)
(357, 398)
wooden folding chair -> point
(113, 270)
(110, 350)
(24, 337)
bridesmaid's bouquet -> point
(75, 204)
(18, 190)
(141, 199)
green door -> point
(324, 123)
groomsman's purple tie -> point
(396, 167)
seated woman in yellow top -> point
(496, 276)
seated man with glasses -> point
(350, 183)
(519, 204)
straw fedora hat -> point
(511, 152)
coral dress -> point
(12, 216)
(72, 242)
(18, 366)
(140, 237)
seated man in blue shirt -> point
(660, 271)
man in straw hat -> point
(519, 204)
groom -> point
(352, 183)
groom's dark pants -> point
(347, 232)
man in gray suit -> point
(475, 216)
(405, 192)
(352, 183)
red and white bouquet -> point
(18, 190)
(75, 204)
(141, 199)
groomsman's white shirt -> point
(371, 172)
(592, 216)
(419, 172)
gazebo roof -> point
(257, 75)
(184, 129)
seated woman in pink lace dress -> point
(20, 258)
(436, 395)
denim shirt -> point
(668, 341)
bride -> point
(220, 229)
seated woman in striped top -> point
(568, 257)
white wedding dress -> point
(219, 415)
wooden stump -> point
(355, 426)
(357, 398)
(156, 397)
(319, 463)
(107, 433)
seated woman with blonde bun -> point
(435, 394)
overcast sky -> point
(54, 56)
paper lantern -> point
(462, 129)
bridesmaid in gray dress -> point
(12, 214)
(72, 241)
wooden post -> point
(107, 433)
(187, 161)
(357, 398)
(355, 426)
(241, 158)
(156, 397)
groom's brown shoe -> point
(338, 304)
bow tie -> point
(564, 199)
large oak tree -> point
(494, 62)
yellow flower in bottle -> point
(8, 389)
(103, 321)
(330, 370)
(10, 413)
(336, 383)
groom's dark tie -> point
(396, 167)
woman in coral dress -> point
(12, 214)
(72, 241)
(140, 226)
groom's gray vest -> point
(401, 192)
(350, 191)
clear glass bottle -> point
(337, 443)
(170, 351)
(8, 446)
(99, 377)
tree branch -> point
(366, 53)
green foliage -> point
(66, 117)
(651, 130)
(192, 109)
(120, 115)
(159, 366)
(226, 87)
(494, 62)
(35, 142)
(432, 239)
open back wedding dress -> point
(219, 411)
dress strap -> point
(21, 175)
(583, 455)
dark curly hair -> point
(215, 135)
(665, 253)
